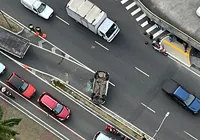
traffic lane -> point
(181, 119)
(79, 117)
(124, 48)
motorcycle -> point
(112, 130)
(7, 93)
(159, 47)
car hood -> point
(2, 67)
(64, 113)
(195, 106)
(29, 91)
(46, 13)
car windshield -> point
(111, 30)
(58, 109)
(41, 8)
(189, 100)
(23, 87)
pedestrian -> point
(143, 137)
(149, 20)
(185, 45)
(150, 36)
(31, 27)
(171, 39)
(158, 40)
(38, 29)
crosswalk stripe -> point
(130, 5)
(124, 1)
(140, 17)
(136, 11)
(144, 24)
(151, 28)
(158, 33)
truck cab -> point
(108, 30)
(38, 7)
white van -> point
(38, 7)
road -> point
(81, 121)
(126, 54)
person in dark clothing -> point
(38, 29)
(185, 45)
(31, 27)
(151, 36)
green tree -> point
(6, 132)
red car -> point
(52, 105)
(21, 86)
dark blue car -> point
(181, 96)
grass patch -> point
(7, 23)
(62, 86)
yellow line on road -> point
(176, 48)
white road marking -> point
(112, 84)
(140, 17)
(144, 24)
(62, 20)
(130, 5)
(190, 135)
(158, 33)
(101, 45)
(136, 11)
(152, 28)
(142, 71)
(42, 109)
(124, 1)
(31, 115)
(148, 107)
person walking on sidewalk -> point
(185, 45)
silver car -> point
(2, 68)
(101, 136)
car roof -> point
(181, 93)
(48, 101)
(16, 80)
(101, 136)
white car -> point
(198, 11)
(102, 136)
(2, 68)
(39, 8)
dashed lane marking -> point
(124, 1)
(142, 71)
(101, 45)
(130, 5)
(144, 24)
(148, 107)
(190, 135)
(62, 20)
(152, 28)
(136, 11)
(140, 17)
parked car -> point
(102, 136)
(181, 96)
(53, 106)
(21, 86)
(39, 8)
(2, 68)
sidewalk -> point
(176, 50)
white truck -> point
(93, 18)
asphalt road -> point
(125, 53)
(81, 121)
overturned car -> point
(100, 84)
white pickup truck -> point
(39, 8)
